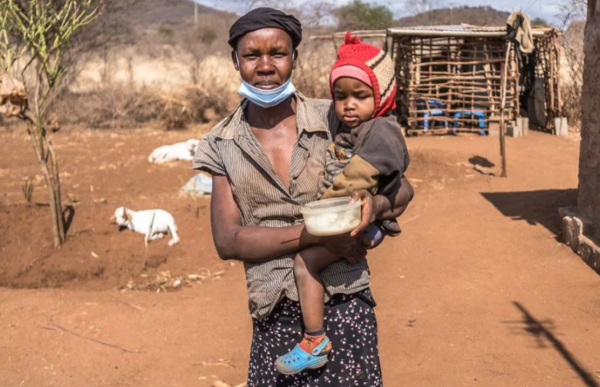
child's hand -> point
(368, 210)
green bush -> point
(363, 16)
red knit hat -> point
(373, 62)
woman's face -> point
(266, 58)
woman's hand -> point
(368, 211)
(382, 207)
(345, 246)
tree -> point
(539, 22)
(572, 10)
(40, 32)
(572, 16)
(316, 14)
(589, 156)
(417, 7)
(110, 31)
(197, 42)
(363, 16)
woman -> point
(266, 160)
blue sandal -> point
(298, 360)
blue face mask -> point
(267, 98)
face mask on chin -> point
(266, 98)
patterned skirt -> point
(350, 325)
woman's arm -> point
(381, 206)
(250, 244)
(258, 244)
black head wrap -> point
(260, 18)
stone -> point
(523, 124)
(595, 259)
(577, 234)
(586, 252)
(561, 126)
(512, 130)
(573, 226)
(567, 230)
(494, 129)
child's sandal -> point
(298, 360)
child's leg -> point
(312, 352)
(308, 264)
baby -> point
(369, 153)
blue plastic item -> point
(199, 185)
(478, 114)
(435, 112)
(298, 360)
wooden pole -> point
(502, 120)
(558, 81)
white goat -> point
(154, 224)
(179, 151)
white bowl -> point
(331, 216)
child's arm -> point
(381, 206)
(393, 206)
(355, 176)
(384, 148)
(378, 164)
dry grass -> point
(27, 189)
(315, 59)
(119, 107)
(177, 105)
(126, 105)
(170, 86)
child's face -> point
(354, 101)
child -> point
(368, 153)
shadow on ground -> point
(482, 165)
(534, 207)
(543, 333)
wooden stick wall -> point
(548, 69)
(460, 79)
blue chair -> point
(476, 113)
(434, 108)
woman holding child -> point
(279, 150)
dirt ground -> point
(477, 291)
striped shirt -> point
(231, 149)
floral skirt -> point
(350, 325)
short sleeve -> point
(208, 157)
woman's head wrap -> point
(260, 18)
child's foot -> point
(310, 353)
(372, 236)
(390, 227)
